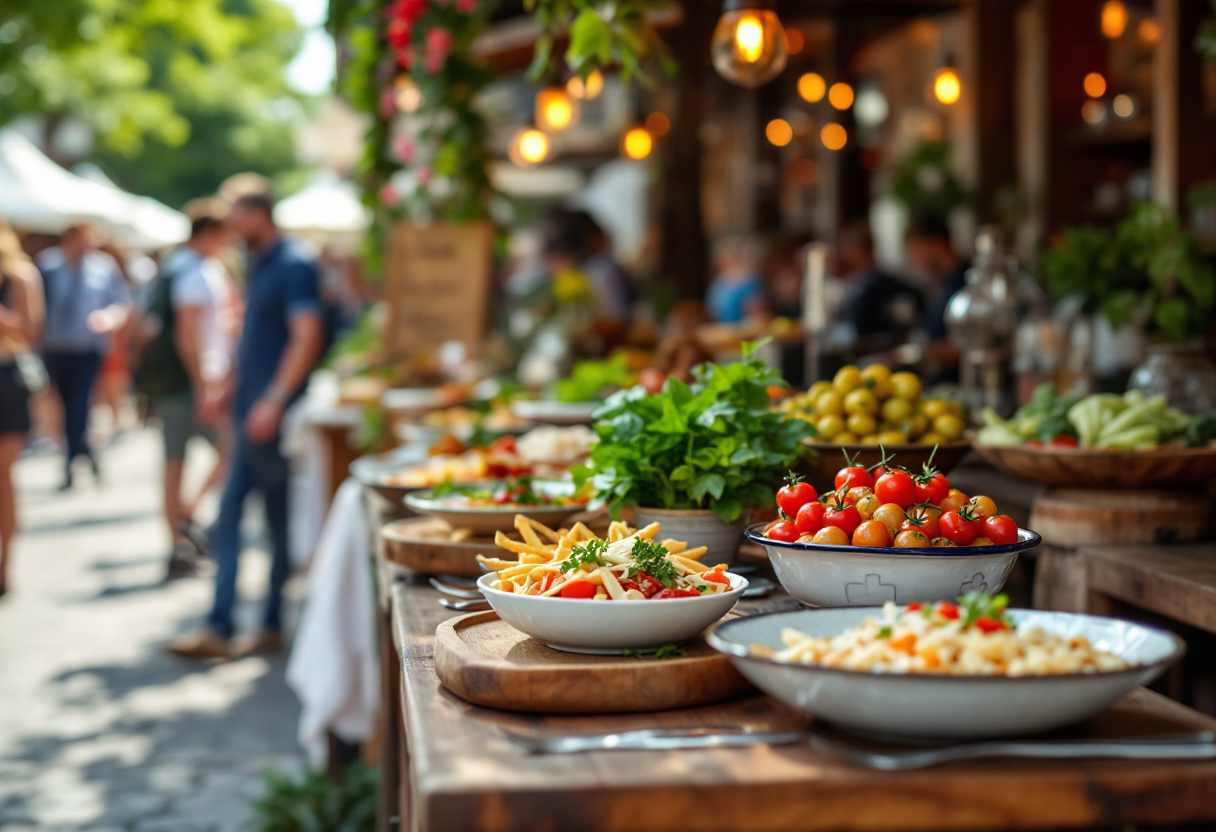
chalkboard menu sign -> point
(438, 283)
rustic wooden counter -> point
(459, 775)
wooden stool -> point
(1069, 518)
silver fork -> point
(1199, 745)
(455, 591)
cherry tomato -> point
(866, 506)
(715, 576)
(911, 539)
(677, 593)
(953, 500)
(831, 536)
(872, 533)
(1064, 441)
(932, 490)
(782, 530)
(854, 476)
(652, 379)
(578, 589)
(854, 495)
(925, 519)
(983, 506)
(961, 526)
(990, 625)
(794, 496)
(810, 518)
(896, 487)
(947, 610)
(649, 585)
(878, 472)
(845, 518)
(913, 607)
(942, 542)
(1000, 529)
(891, 516)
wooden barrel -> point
(1071, 517)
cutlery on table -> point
(1199, 745)
(455, 591)
(467, 605)
(658, 739)
(759, 588)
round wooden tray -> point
(1094, 468)
(1072, 517)
(821, 471)
(425, 544)
(484, 660)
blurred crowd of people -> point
(209, 356)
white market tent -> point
(327, 212)
(40, 196)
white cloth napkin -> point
(334, 666)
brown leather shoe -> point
(203, 644)
(263, 643)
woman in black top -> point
(21, 315)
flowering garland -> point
(408, 64)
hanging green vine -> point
(601, 35)
(409, 66)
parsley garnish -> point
(630, 653)
(885, 632)
(977, 605)
(651, 558)
(590, 553)
(668, 651)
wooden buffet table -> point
(457, 774)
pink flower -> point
(398, 33)
(403, 150)
(465, 6)
(425, 175)
(438, 44)
(409, 10)
(388, 194)
(388, 103)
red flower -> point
(398, 33)
(465, 6)
(438, 44)
(409, 10)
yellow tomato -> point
(861, 423)
(831, 536)
(949, 426)
(818, 389)
(890, 515)
(877, 378)
(932, 408)
(932, 438)
(957, 409)
(870, 439)
(845, 438)
(861, 400)
(915, 425)
(867, 505)
(829, 426)
(892, 437)
(983, 506)
(846, 379)
(829, 404)
(906, 386)
(896, 410)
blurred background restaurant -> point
(630, 162)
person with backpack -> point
(185, 355)
(282, 340)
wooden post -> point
(1165, 104)
(994, 30)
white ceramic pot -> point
(699, 528)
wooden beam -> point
(1165, 105)
(995, 58)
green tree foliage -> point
(179, 93)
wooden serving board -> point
(486, 661)
(425, 544)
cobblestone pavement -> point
(100, 730)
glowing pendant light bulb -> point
(947, 86)
(555, 110)
(749, 46)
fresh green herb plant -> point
(317, 802)
(714, 444)
(590, 553)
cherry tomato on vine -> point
(961, 526)
(831, 536)
(940, 542)
(794, 495)
(911, 539)
(810, 517)
(866, 506)
(855, 495)
(1000, 529)
(925, 519)
(853, 476)
(983, 506)
(896, 487)
(891, 516)
(953, 500)
(845, 518)
(932, 489)
(782, 530)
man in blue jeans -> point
(281, 341)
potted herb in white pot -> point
(695, 457)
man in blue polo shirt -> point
(281, 341)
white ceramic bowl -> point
(945, 707)
(610, 627)
(857, 576)
(485, 520)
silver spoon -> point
(455, 591)
(463, 606)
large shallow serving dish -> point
(375, 470)
(486, 520)
(945, 707)
(610, 627)
(821, 470)
(547, 412)
(1097, 468)
(862, 576)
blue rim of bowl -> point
(1026, 540)
(734, 650)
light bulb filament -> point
(749, 38)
